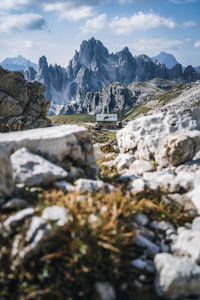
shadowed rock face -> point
(22, 103)
(93, 68)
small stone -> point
(94, 221)
(141, 219)
(143, 242)
(92, 186)
(123, 161)
(15, 203)
(57, 214)
(105, 291)
(65, 186)
(139, 264)
(76, 173)
(161, 226)
(140, 166)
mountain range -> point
(18, 63)
(93, 68)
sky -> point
(33, 28)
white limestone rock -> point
(92, 186)
(55, 143)
(165, 179)
(123, 161)
(57, 214)
(140, 166)
(138, 186)
(176, 278)
(188, 245)
(145, 136)
(34, 170)
(6, 175)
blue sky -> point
(34, 28)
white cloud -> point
(22, 4)
(65, 11)
(182, 1)
(197, 44)
(189, 24)
(153, 46)
(139, 21)
(95, 24)
(22, 22)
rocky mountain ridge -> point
(117, 96)
(93, 68)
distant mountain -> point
(93, 68)
(167, 59)
(197, 69)
(18, 63)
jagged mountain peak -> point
(43, 61)
(92, 52)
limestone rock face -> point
(6, 176)
(22, 103)
(146, 137)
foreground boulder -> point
(169, 138)
(67, 145)
(22, 103)
(33, 170)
